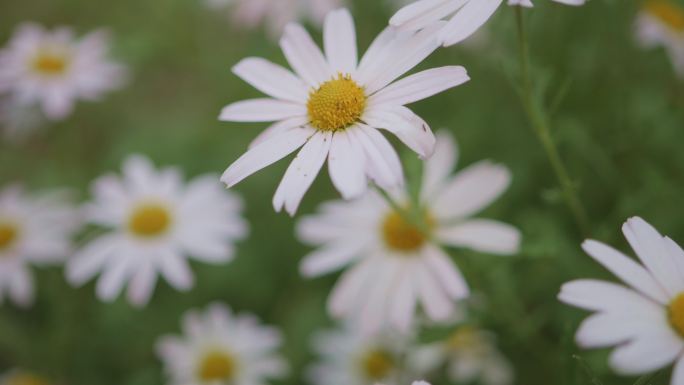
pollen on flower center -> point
(8, 234)
(50, 64)
(667, 12)
(400, 235)
(149, 220)
(377, 364)
(216, 366)
(336, 104)
(676, 314)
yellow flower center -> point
(25, 379)
(676, 314)
(401, 235)
(217, 366)
(377, 364)
(50, 64)
(149, 220)
(337, 104)
(668, 12)
(8, 234)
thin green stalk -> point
(540, 125)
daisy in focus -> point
(396, 264)
(155, 223)
(350, 358)
(220, 347)
(464, 16)
(19, 377)
(471, 356)
(660, 23)
(52, 69)
(334, 107)
(33, 231)
(643, 319)
(274, 14)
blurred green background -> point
(619, 127)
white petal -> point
(598, 295)
(346, 166)
(114, 277)
(142, 285)
(678, 372)
(483, 235)
(468, 20)
(614, 328)
(422, 13)
(272, 79)
(302, 172)
(448, 275)
(652, 251)
(377, 50)
(176, 271)
(382, 162)
(349, 288)
(626, 269)
(278, 128)
(90, 259)
(410, 128)
(471, 190)
(439, 166)
(434, 300)
(400, 57)
(378, 296)
(330, 258)
(420, 86)
(265, 154)
(21, 287)
(304, 56)
(647, 353)
(339, 38)
(404, 300)
(261, 110)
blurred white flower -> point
(660, 23)
(17, 121)
(33, 231)
(20, 377)
(645, 319)
(54, 70)
(156, 223)
(351, 358)
(471, 356)
(219, 347)
(528, 3)
(334, 106)
(466, 16)
(274, 14)
(397, 265)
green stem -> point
(540, 125)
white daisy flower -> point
(334, 107)
(274, 14)
(351, 358)
(645, 319)
(33, 231)
(660, 23)
(53, 69)
(20, 377)
(396, 265)
(528, 3)
(219, 347)
(156, 224)
(465, 16)
(470, 354)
